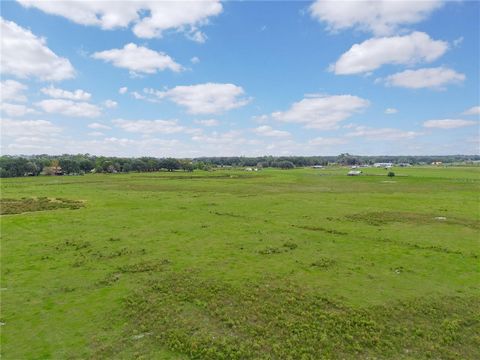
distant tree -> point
(391, 174)
(69, 166)
(186, 165)
(285, 165)
(169, 164)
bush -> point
(391, 174)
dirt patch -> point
(24, 205)
(387, 217)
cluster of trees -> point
(13, 166)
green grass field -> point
(297, 264)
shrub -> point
(391, 174)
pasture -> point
(275, 264)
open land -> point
(229, 264)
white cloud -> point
(207, 122)
(475, 110)
(458, 41)
(11, 90)
(266, 130)
(322, 112)
(25, 55)
(197, 36)
(435, 78)
(138, 59)
(260, 118)
(16, 110)
(195, 60)
(149, 126)
(382, 134)
(448, 123)
(149, 18)
(371, 54)
(391, 111)
(65, 94)
(382, 17)
(98, 126)
(110, 104)
(69, 108)
(137, 95)
(208, 98)
(327, 141)
(123, 90)
(232, 137)
(27, 128)
(95, 133)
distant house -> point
(354, 173)
(385, 165)
(317, 167)
(437, 163)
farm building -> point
(385, 165)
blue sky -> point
(190, 79)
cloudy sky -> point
(211, 78)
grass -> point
(275, 265)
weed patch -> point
(145, 266)
(318, 228)
(323, 263)
(388, 217)
(204, 319)
(24, 205)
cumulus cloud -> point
(322, 112)
(195, 60)
(149, 18)
(28, 128)
(208, 98)
(98, 126)
(137, 95)
(69, 108)
(435, 78)
(16, 110)
(95, 133)
(371, 54)
(232, 137)
(448, 123)
(327, 141)
(382, 17)
(11, 90)
(110, 104)
(207, 122)
(123, 90)
(149, 126)
(475, 110)
(138, 59)
(266, 130)
(25, 55)
(65, 94)
(391, 111)
(382, 133)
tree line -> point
(15, 166)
